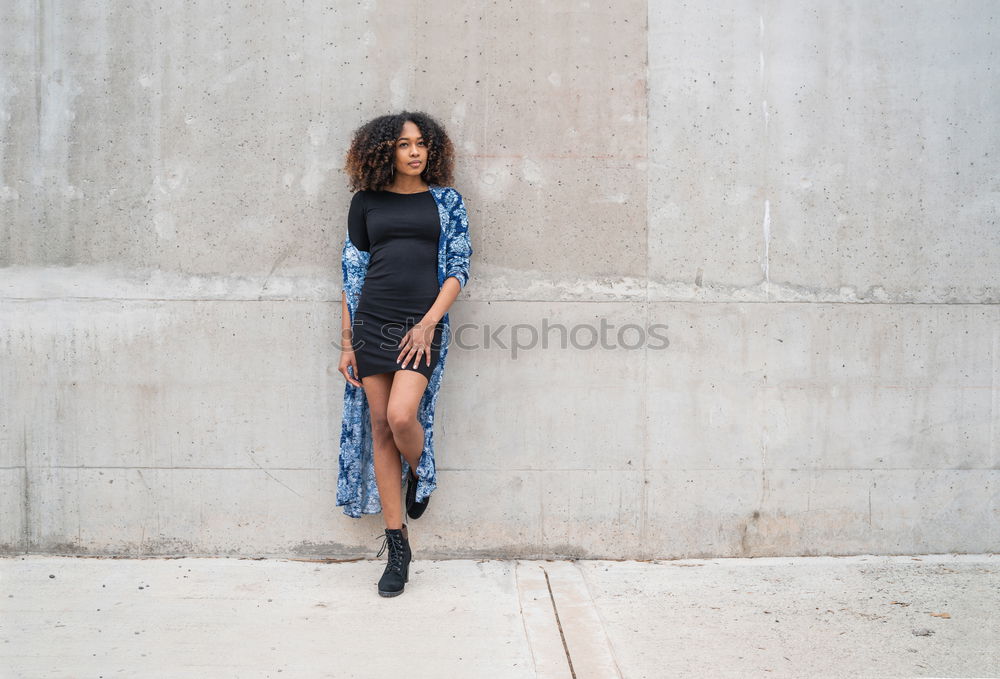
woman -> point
(405, 260)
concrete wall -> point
(805, 194)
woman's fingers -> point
(352, 380)
(411, 346)
(415, 353)
(347, 375)
(404, 345)
(407, 346)
(409, 354)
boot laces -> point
(395, 543)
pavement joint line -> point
(562, 635)
(585, 633)
(548, 649)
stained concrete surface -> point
(863, 616)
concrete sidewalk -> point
(867, 616)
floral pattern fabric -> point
(356, 488)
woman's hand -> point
(416, 343)
(347, 359)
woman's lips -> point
(415, 163)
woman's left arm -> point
(447, 295)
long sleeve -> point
(459, 244)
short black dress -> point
(401, 231)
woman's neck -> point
(417, 186)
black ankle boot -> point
(397, 570)
(414, 509)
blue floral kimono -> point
(356, 489)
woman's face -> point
(411, 151)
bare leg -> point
(404, 399)
(388, 468)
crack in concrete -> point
(562, 635)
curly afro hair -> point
(369, 163)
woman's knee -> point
(401, 419)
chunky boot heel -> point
(397, 568)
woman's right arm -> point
(357, 241)
(346, 349)
(345, 323)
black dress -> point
(401, 231)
